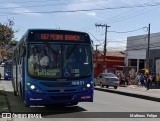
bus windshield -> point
(59, 60)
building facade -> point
(114, 62)
(136, 51)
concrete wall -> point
(136, 54)
(141, 42)
(154, 54)
(137, 46)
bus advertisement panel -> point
(53, 67)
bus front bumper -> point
(32, 98)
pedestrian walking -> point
(148, 81)
(138, 80)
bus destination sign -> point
(69, 37)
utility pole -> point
(96, 53)
(105, 42)
(148, 49)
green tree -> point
(6, 35)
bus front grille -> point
(62, 91)
(57, 84)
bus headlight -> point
(88, 85)
(33, 88)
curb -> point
(129, 94)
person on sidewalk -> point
(142, 80)
(138, 79)
(148, 81)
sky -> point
(125, 18)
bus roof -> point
(45, 29)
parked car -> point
(107, 79)
(8, 75)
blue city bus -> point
(53, 67)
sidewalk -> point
(3, 100)
(134, 91)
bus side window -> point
(17, 56)
(14, 58)
(21, 50)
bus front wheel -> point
(76, 103)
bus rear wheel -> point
(21, 92)
(15, 93)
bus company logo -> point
(61, 90)
(6, 115)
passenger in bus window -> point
(81, 56)
(44, 61)
(54, 58)
(32, 61)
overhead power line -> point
(93, 9)
(49, 4)
(31, 1)
(95, 38)
(119, 16)
(129, 31)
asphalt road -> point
(104, 103)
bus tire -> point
(25, 104)
(74, 104)
(21, 94)
(15, 93)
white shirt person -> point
(44, 61)
(32, 61)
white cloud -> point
(91, 14)
(135, 2)
(21, 10)
(85, 4)
(93, 4)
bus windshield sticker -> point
(74, 70)
(47, 72)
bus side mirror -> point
(23, 51)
